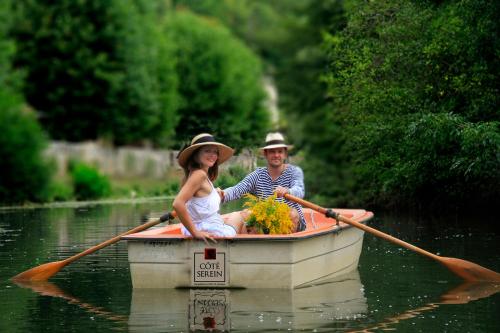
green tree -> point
(414, 86)
(97, 69)
(25, 173)
(220, 82)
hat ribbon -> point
(274, 142)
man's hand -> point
(281, 191)
(221, 193)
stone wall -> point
(128, 161)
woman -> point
(197, 204)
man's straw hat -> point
(275, 140)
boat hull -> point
(163, 258)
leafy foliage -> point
(88, 183)
(24, 172)
(412, 103)
(220, 82)
(97, 69)
(230, 176)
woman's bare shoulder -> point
(198, 175)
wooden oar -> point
(45, 271)
(467, 270)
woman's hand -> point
(204, 236)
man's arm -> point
(247, 185)
(297, 187)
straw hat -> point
(200, 140)
(275, 140)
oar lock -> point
(334, 215)
(167, 217)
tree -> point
(414, 86)
(97, 69)
(220, 82)
(25, 173)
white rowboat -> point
(164, 258)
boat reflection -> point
(341, 299)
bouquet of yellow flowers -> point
(268, 216)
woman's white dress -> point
(204, 212)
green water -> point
(393, 289)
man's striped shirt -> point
(260, 184)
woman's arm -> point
(193, 184)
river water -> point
(393, 288)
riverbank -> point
(86, 203)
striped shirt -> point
(260, 184)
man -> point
(277, 176)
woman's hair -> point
(192, 164)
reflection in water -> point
(46, 288)
(463, 294)
(339, 301)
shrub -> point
(25, 173)
(88, 183)
(60, 191)
(237, 172)
(230, 176)
(172, 187)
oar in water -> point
(467, 270)
(45, 271)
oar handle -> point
(168, 216)
(335, 215)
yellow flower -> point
(268, 215)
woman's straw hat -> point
(275, 140)
(200, 140)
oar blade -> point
(40, 273)
(44, 288)
(470, 271)
(470, 291)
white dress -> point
(204, 212)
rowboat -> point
(333, 304)
(164, 258)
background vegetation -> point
(25, 175)
(390, 103)
(413, 87)
(221, 84)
